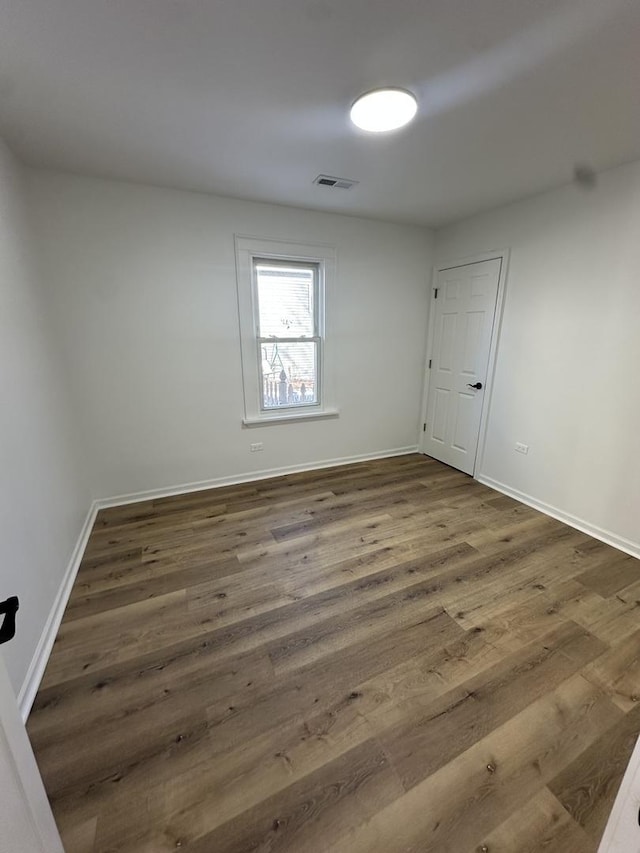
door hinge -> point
(429, 364)
(424, 427)
(435, 292)
(8, 628)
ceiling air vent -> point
(337, 183)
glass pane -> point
(285, 300)
(289, 374)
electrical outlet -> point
(522, 448)
(257, 445)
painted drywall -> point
(44, 497)
(566, 380)
(143, 293)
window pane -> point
(285, 300)
(289, 374)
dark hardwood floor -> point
(385, 656)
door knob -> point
(476, 385)
(8, 627)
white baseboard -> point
(40, 658)
(606, 536)
(39, 661)
(234, 480)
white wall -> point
(143, 290)
(568, 370)
(43, 497)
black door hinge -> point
(8, 627)
(435, 292)
(429, 364)
(424, 427)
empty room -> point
(319, 351)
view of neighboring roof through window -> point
(288, 333)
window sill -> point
(284, 419)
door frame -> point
(37, 819)
(503, 255)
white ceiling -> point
(250, 98)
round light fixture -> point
(384, 109)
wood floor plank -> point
(329, 679)
(81, 837)
(614, 572)
(587, 787)
(617, 672)
(542, 824)
(312, 814)
(432, 737)
(209, 793)
(86, 603)
(329, 636)
(381, 656)
(455, 808)
(92, 700)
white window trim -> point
(248, 248)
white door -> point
(26, 822)
(464, 308)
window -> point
(288, 333)
(282, 295)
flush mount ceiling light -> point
(384, 109)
